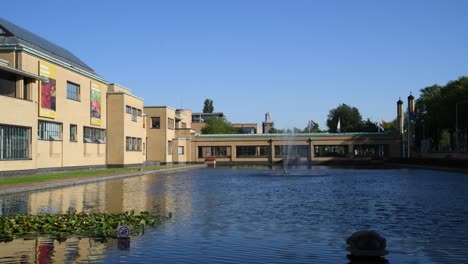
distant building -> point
(199, 119)
(248, 128)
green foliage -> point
(208, 106)
(392, 125)
(350, 119)
(275, 131)
(436, 110)
(218, 126)
(61, 226)
(368, 126)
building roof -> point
(14, 35)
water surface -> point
(261, 216)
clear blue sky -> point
(296, 59)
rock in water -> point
(367, 243)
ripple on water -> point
(264, 216)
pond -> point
(259, 215)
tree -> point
(218, 126)
(208, 106)
(368, 126)
(436, 112)
(350, 119)
(275, 131)
(392, 125)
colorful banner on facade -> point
(47, 94)
(95, 104)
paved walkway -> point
(17, 188)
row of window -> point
(133, 144)
(133, 111)
(8, 87)
(156, 123)
(53, 131)
(292, 151)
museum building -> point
(57, 113)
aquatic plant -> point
(61, 226)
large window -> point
(49, 130)
(94, 135)
(252, 151)
(330, 150)
(133, 144)
(155, 122)
(215, 151)
(73, 91)
(14, 142)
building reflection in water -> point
(145, 193)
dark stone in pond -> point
(366, 243)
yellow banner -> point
(95, 104)
(48, 88)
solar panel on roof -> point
(40, 42)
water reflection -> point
(110, 196)
(259, 216)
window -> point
(184, 125)
(170, 123)
(330, 150)
(252, 151)
(370, 151)
(7, 84)
(138, 112)
(180, 150)
(215, 151)
(49, 130)
(291, 150)
(169, 147)
(73, 132)
(156, 122)
(134, 114)
(94, 135)
(128, 109)
(73, 91)
(14, 142)
(128, 143)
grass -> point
(44, 177)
